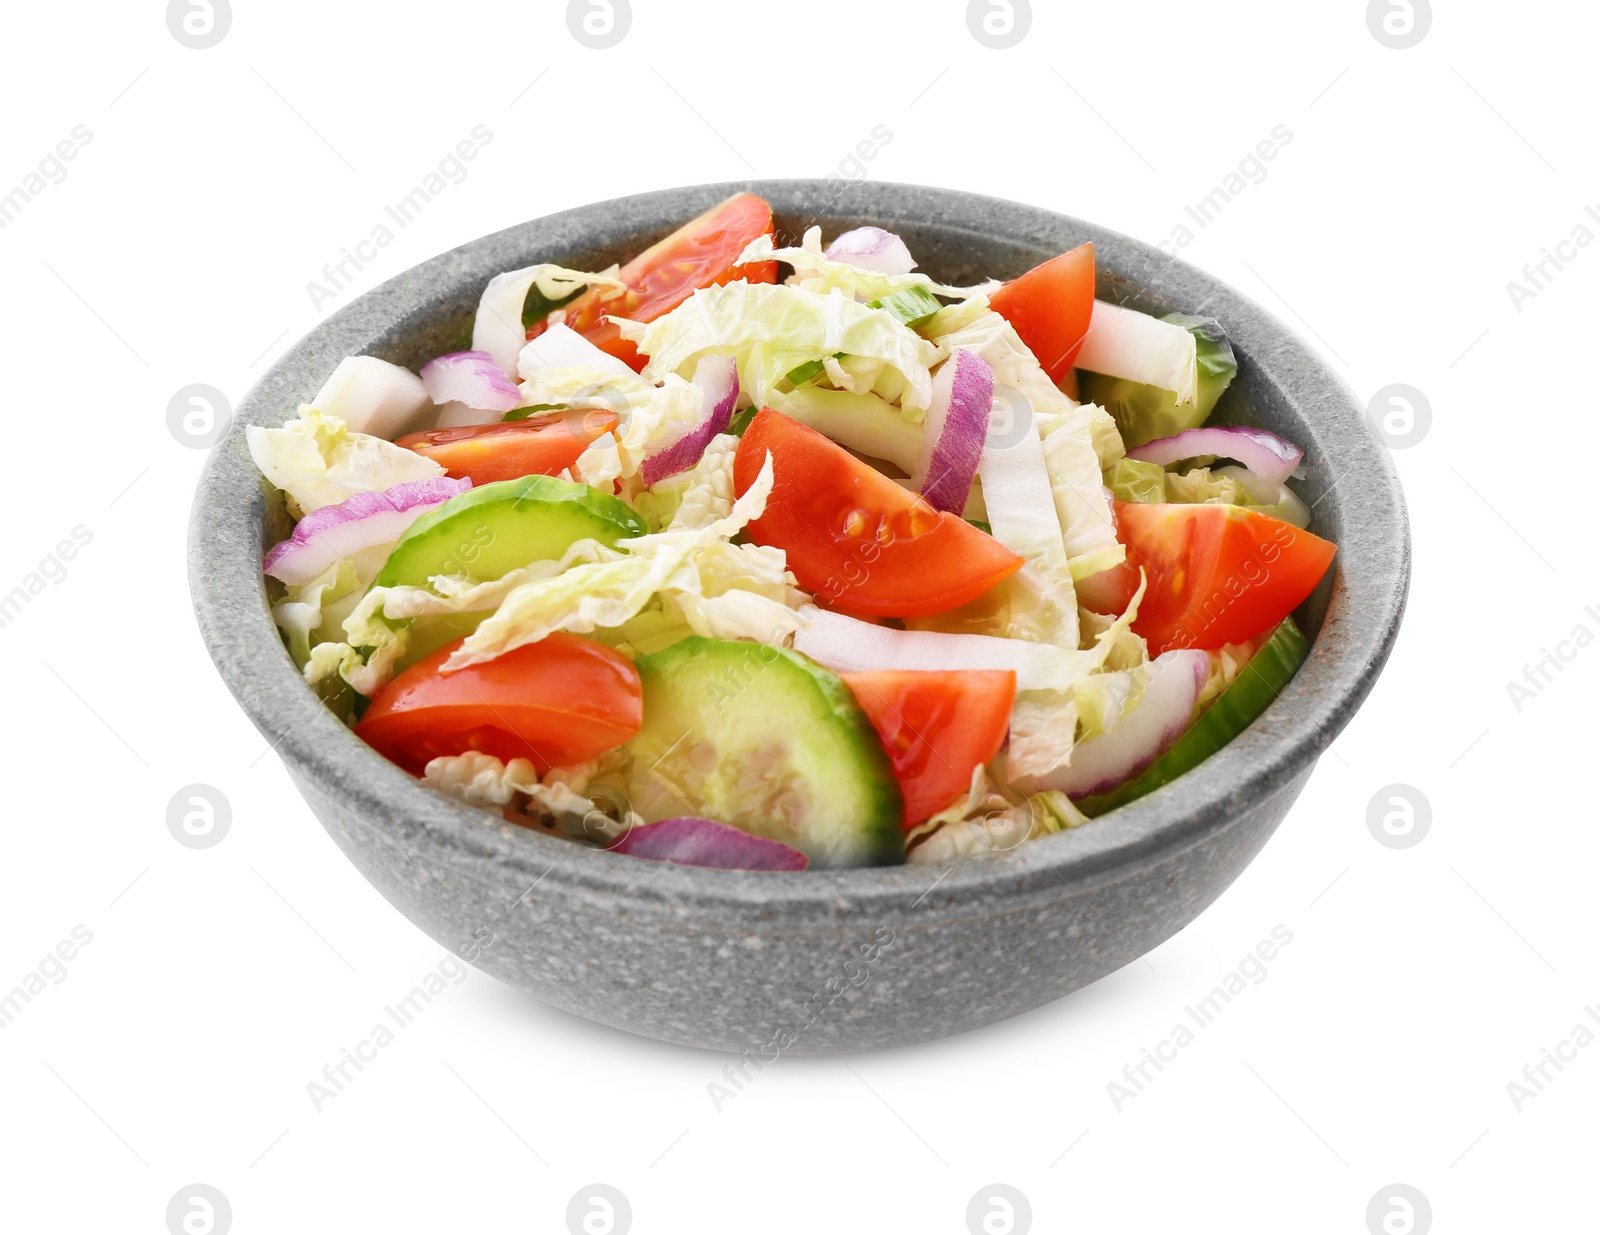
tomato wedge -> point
(557, 702)
(1218, 574)
(699, 254)
(863, 544)
(542, 445)
(1050, 308)
(936, 726)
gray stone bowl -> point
(821, 961)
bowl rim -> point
(1372, 572)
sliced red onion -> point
(872, 248)
(373, 396)
(473, 378)
(1266, 454)
(718, 380)
(333, 533)
(848, 645)
(954, 431)
(689, 841)
(1157, 718)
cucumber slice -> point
(763, 739)
(496, 528)
(1144, 413)
(1245, 699)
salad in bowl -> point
(764, 557)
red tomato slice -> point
(936, 727)
(539, 446)
(1050, 307)
(557, 702)
(1218, 574)
(863, 544)
(699, 254)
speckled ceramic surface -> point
(819, 961)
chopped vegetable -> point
(936, 727)
(1019, 500)
(1218, 574)
(1144, 412)
(498, 328)
(494, 529)
(853, 536)
(1133, 481)
(953, 433)
(1128, 344)
(690, 841)
(374, 396)
(557, 702)
(560, 347)
(331, 534)
(473, 379)
(690, 569)
(911, 306)
(1051, 307)
(1156, 706)
(815, 271)
(546, 444)
(863, 423)
(1267, 673)
(717, 379)
(771, 329)
(848, 645)
(769, 742)
(702, 253)
(1074, 437)
(872, 248)
(1266, 454)
(317, 461)
(1278, 501)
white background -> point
(1420, 981)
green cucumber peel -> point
(1245, 698)
(491, 529)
